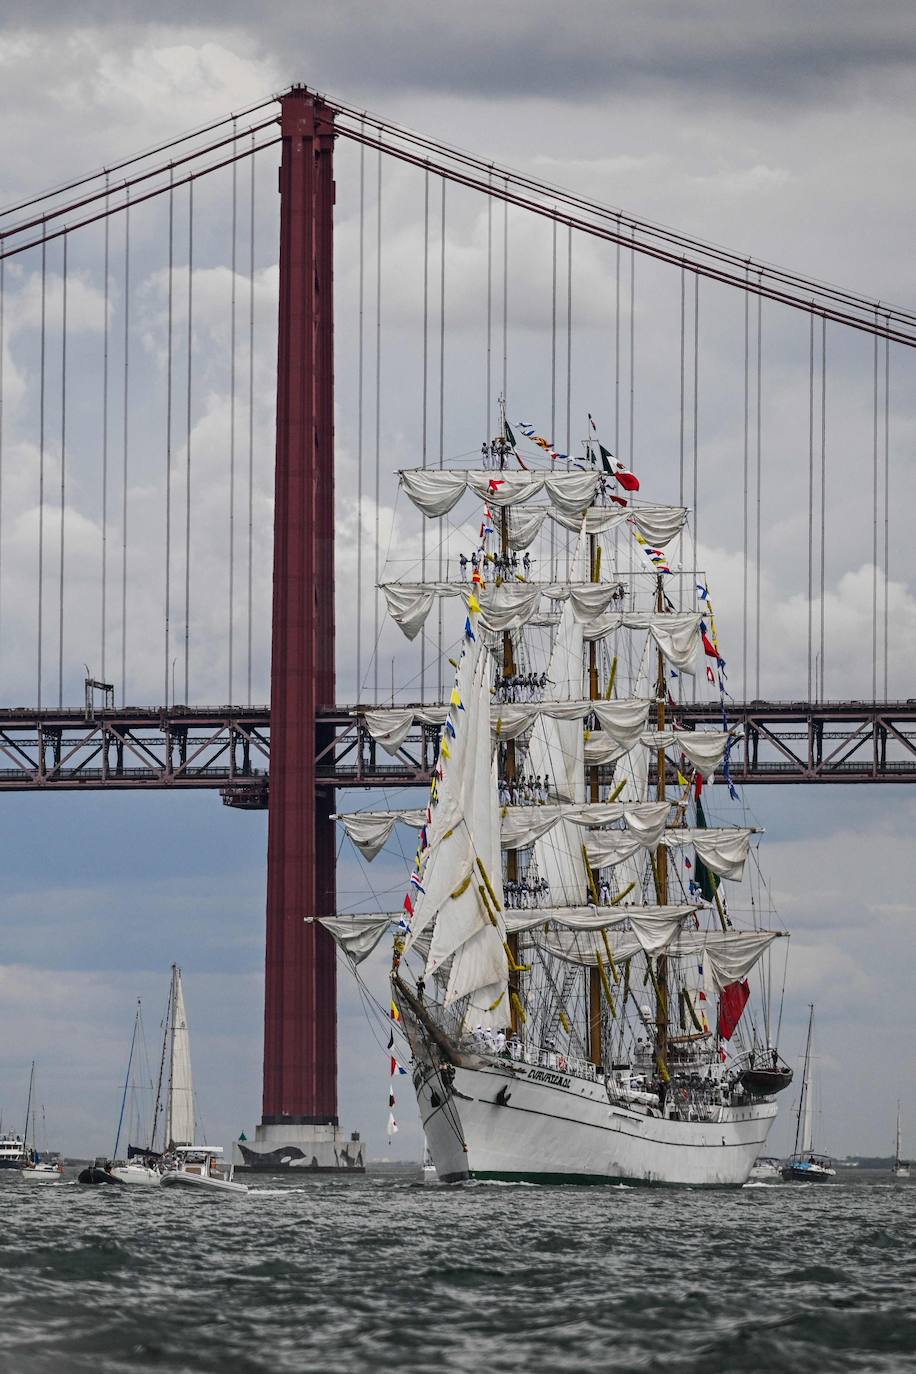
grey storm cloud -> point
(776, 52)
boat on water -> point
(766, 1169)
(805, 1164)
(202, 1167)
(901, 1166)
(429, 1168)
(39, 1166)
(13, 1152)
(566, 968)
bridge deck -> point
(228, 747)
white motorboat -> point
(43, 1171)
(202, 1167)
(766, 1169)
(137, 1174)
(13, 1153)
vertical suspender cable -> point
(632, 349)
(569, 244)
(487, 418)
(235, 215)
(553, 381)
(2, 303)
(874, 528)
(41, 456)
(505, 292)
(187, 492)
(823, 498)
(745, 530)
(105, 327)
(810, 497)
(168, 447)
(251, 159)
(378, 411)
(441, 619)
(125, 454)
(696, 429)
(360, 397)
(759, 457)
(617, 348)
(425, 403)
(683, 419)
(63, 476)
(887, 475)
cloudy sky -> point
(785, 133)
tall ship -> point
(567, 968)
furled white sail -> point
(728, 955)
(371, 830)
(623, 720)
(677, 635)
(436, 491)
(463, 838)
(358, 935)
(556, 751)
(179, 1120)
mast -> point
(130, 1060)
(28, 1108)
(661, 879)
(158, 1102)
(897, 1141)
(593, 976)
(803, 1131)
(508, 669)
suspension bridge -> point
(177, 512)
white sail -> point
(358, 935)
(462, 874)
(807, 1137)
(557, 751)
(179, 1120)
(729, 955)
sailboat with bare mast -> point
(901, 1166)
(553, 965)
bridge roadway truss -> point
(227, 748)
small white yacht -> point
(202, 1167)
(767, 1169)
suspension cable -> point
(489, 384)
(553, 381)
(187, 510)
(105, 343)
(232, 298)
(810, 498)
(168, 453)
(745, 530)
(441, 618)
(874, 530)
(505, 291)
(41, 465)
(63, 476)
(107, 171)
(2, 345)
(632, 417)
(125, 455)
(251, 420)
(823, 496)
(360, 398)
(424, 423)
(759, 492)
(887, 479)
(378, 414)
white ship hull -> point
(551, 1127)
(137, 1175)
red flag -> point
(628, 480)
(620, 500)
(697, 786)
(710, 648)
(731, 1005)
(408, 905)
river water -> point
(385, 1273)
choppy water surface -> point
(385, 1274)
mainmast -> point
(802, 1121)
(661, 878)
(508, 670)
(594, 975)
